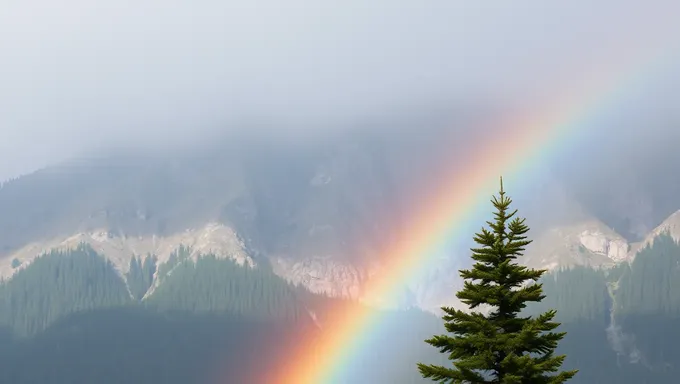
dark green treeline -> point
(621, 322)
(140, 275)
(206, 321)
(65, 282)
(213, 285)
(57, 284)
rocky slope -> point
(670, 226)
(324, 275)
(588, 242)
(119, 248)
(320, 211)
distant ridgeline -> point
(71, 317)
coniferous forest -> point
(71, 317)
(56, 285)
(620, 322)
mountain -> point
(621, 321)
(586, 243)
(119, 248)
(254, 240)
(625, 176)
(670, 226)
(199, 317)
(322, 210)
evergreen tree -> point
(56, 285)
(210, 284)
(578, 294)
(500, 346)
(140, 275)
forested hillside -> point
(213, 285)
(64, 282)
(621, 322)
(56, 285)
(70, 317)
(140, 275)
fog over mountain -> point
(82, 75)
(317, 130)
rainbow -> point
(511, 153)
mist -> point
(80, 76)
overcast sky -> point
(79, 74)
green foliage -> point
(500, 347)
(217, 285)
(652, 284)
(176, 257)
(60, 283)
(140, 275)
(16, 263)
(579, 294)
(57, 284)
(136, 345)
(170, 339)
(640, 345)
(207, 321)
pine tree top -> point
(501, 346)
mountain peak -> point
(671, 226)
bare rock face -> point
(588, 243)
(598, 242)
(323, 275)
(119, 249)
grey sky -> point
(79, 73)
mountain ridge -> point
(586, 243)
(322, 212)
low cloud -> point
(78, 74)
